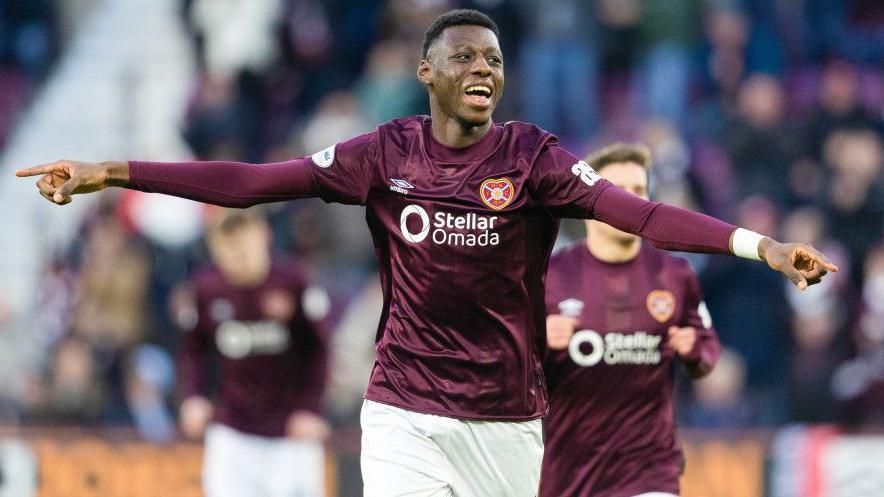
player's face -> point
(464, 74)
(243, 254)
(631, 177)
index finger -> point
(36, 170)
(820, 259)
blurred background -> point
(765, 113)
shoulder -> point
(206, 280)
(567, 256)
(288, 269)
(528, 136)
(679, 267)
(403, 126)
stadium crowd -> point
(765, 113)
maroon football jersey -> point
(268, 343)
(610, 431)
(462, 237)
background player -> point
(464, 214)
(611, 429)
(255, 316)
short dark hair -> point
(620, 152)
(227, 221)
(458, 17)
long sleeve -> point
(706, 350)
(230, 184)
(665, 226)
(343, 172)
(569, 187)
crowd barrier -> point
(792, 462)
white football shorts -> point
(237, 464)
(405, 453)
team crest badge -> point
(661, 305)
(497, 193)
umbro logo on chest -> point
(400, 186)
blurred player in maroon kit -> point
(611, 428)
(464, 214)
(255, 316)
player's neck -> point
(451, 132)
(246, 282)
(612, 250)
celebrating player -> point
(257, 317)
(610, 431)
(464, 213)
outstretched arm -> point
(673, 228)
(340, 173)
(569, 187)
(231, 184)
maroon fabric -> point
(271, 356)
(462, 330)
(611, 430)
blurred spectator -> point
(727, 33)
(337, 118)
(750, 309)
(353, 351)
(667, 33)
(560, 93)
(149, 377)
(812, 362)
(237, 35)
(855, 159)
(29, 42)
(759, 140)
(110, 310)
(73, 391)
(388, 88)
(858, 384)
(221, 123)
(848, 28)
(27, 37)
(839, 106)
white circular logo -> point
(425, 223)
(592, 338)
(234, 339)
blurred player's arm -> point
(559, 329)
(571, 188)
(194, 356)
(307, 422)
(695, 341)
(342, 173)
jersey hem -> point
(460, 416)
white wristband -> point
(746, 244)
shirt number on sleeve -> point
(585, 172)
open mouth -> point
(478, 95)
